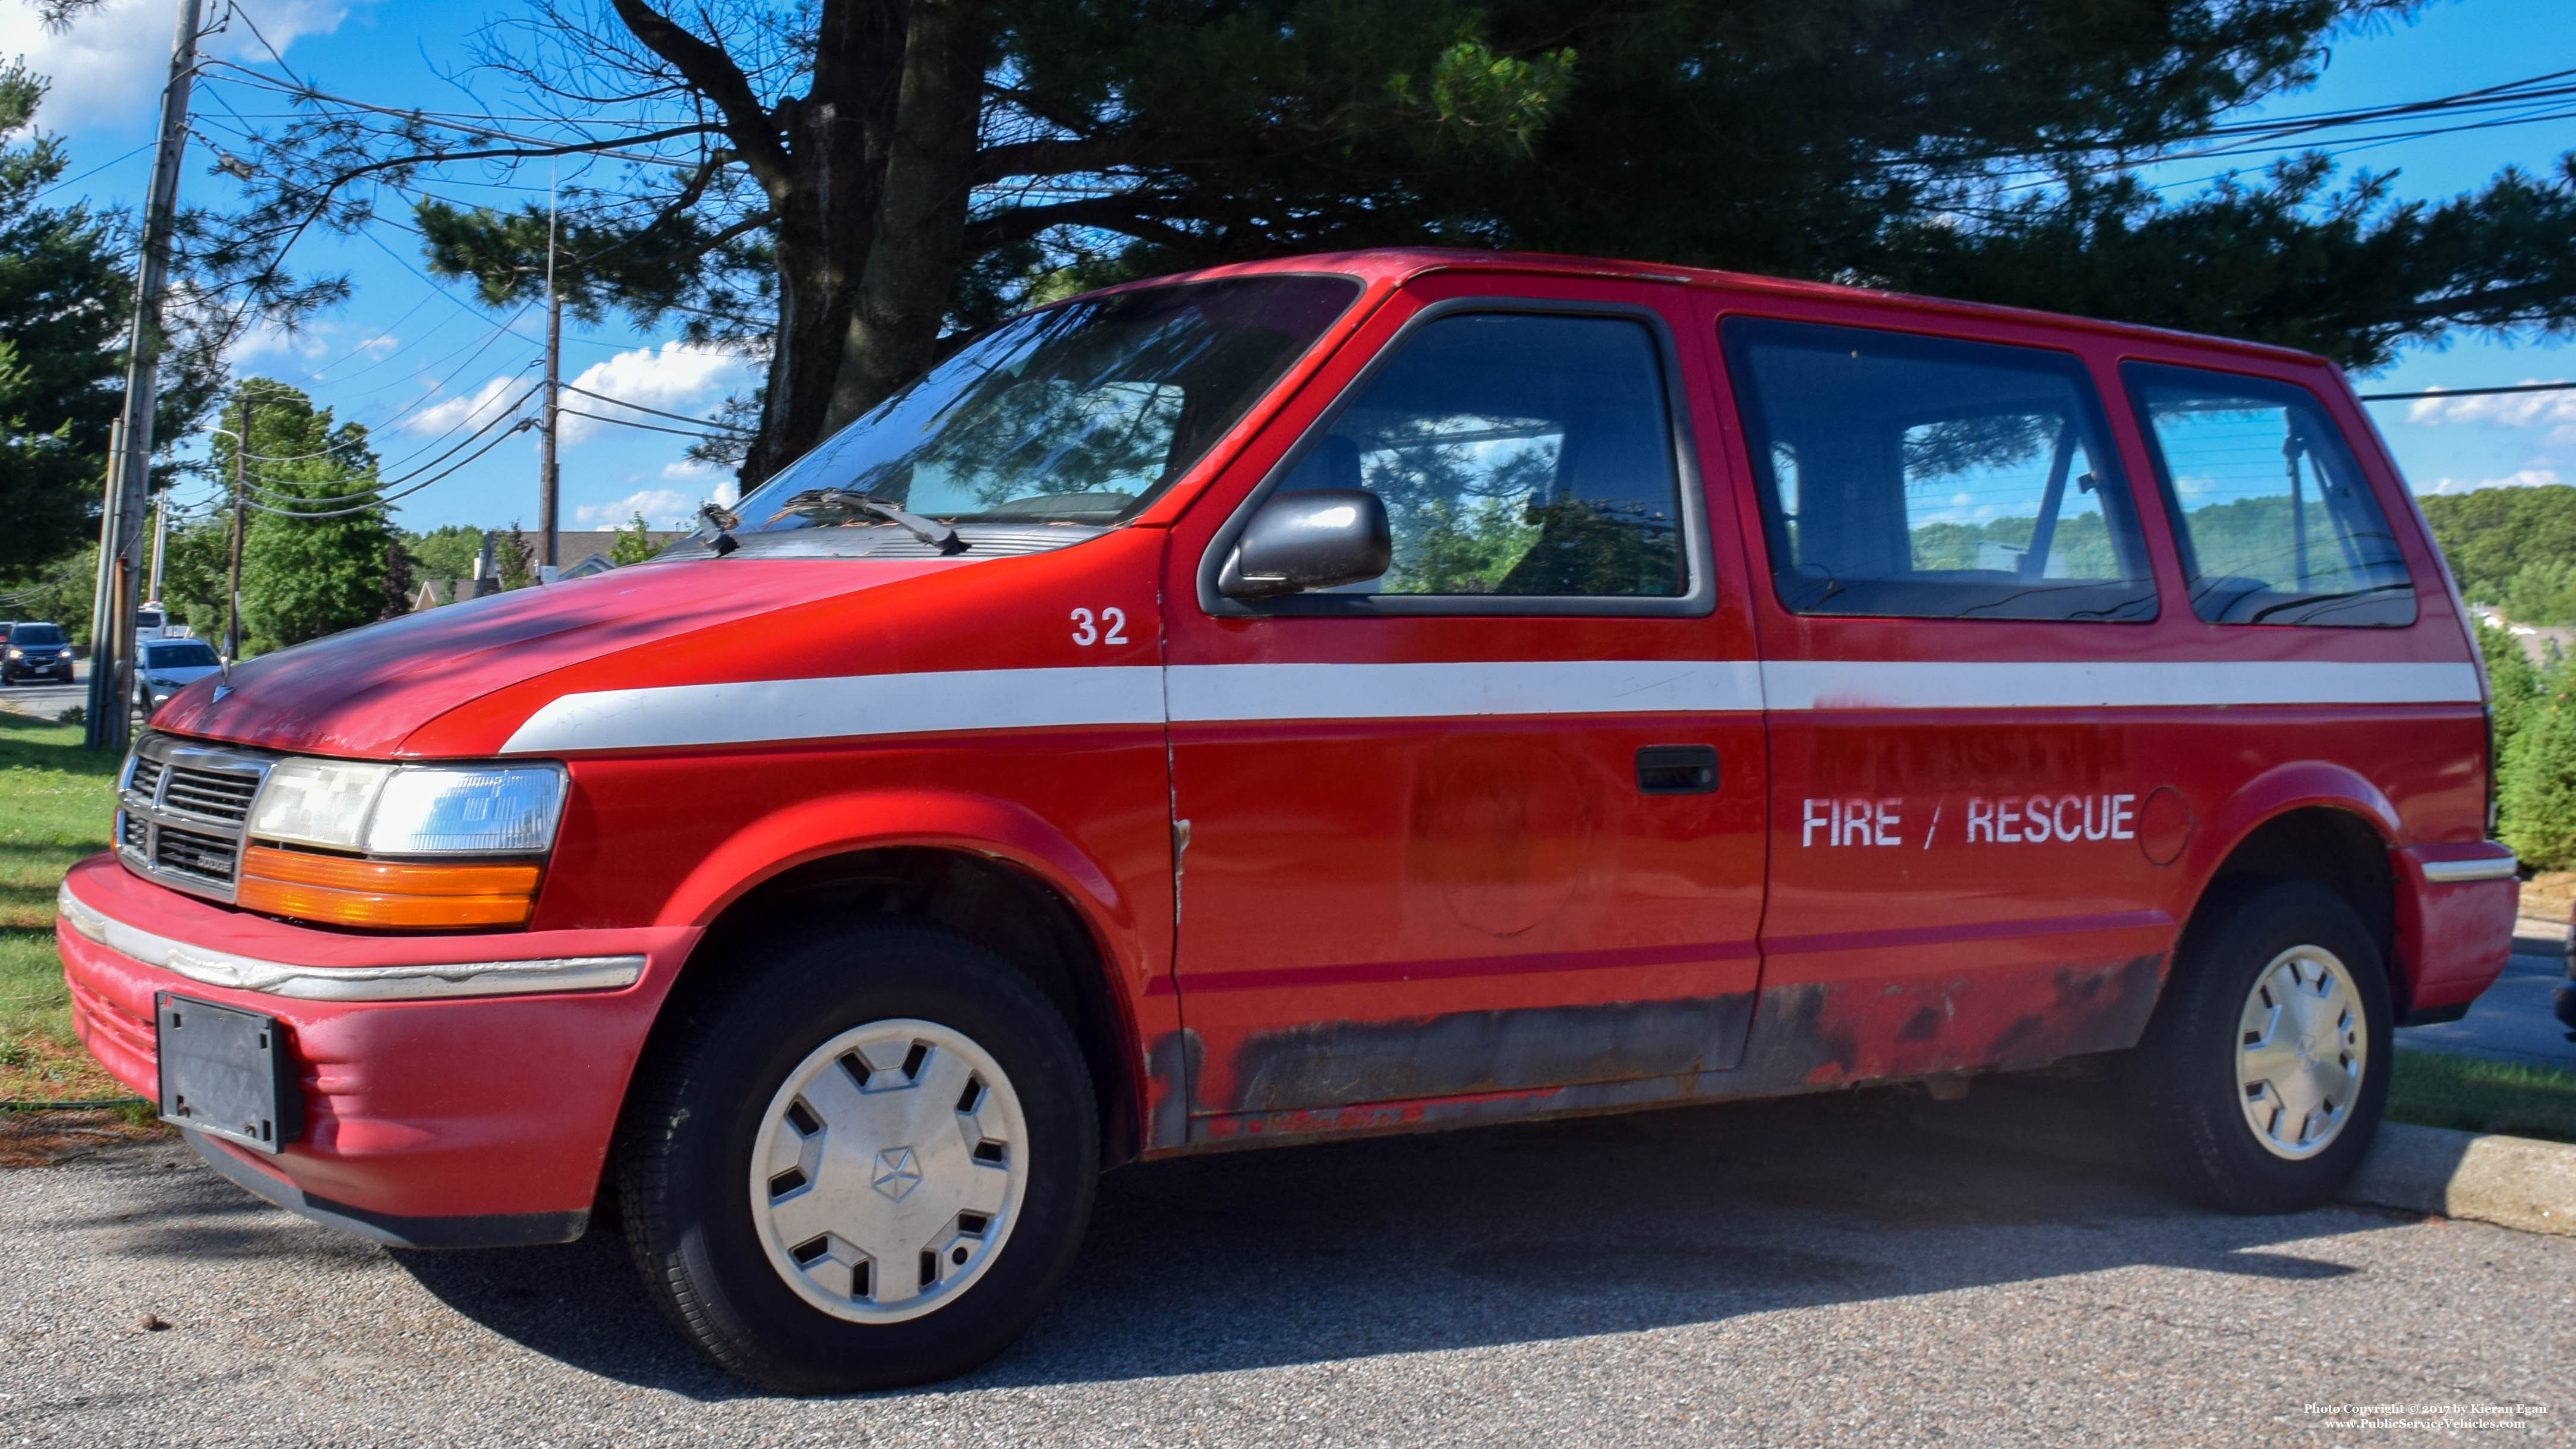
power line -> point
(2468, 391)
(657, 412)
(630, 423)
(390, 498)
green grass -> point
(2435, 1089)
(56, 806)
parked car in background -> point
(168, 666)
(36, 651)
(1341, 695)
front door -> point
(1489, 825)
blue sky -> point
(412, 358)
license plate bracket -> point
(225, 1072)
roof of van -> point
(1399, 264)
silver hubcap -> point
(889, 1170)
(2301, 1049)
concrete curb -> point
(2512, 1182)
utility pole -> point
(547, 477)
(98, 595)
(160, 545)
(111, 669)
(241, 525)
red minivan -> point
(1348, 694)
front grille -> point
(209, 794)
(183, 810)
(207, 857)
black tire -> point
(2185, 1089)
(699, 1103)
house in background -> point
(584, 552)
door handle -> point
(1677, 769)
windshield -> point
(1079, 413)
(35, 634)
(187, 655)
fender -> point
(2299, 785)
(875, 819)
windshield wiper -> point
(840, 504)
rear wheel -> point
(867, 1164)
(2259, 1084)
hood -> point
(365, 691)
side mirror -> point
(1317, 540)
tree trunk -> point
(920, 219)
(871, 188)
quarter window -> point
(1517, 454)
(2277, 523)
(1926, 478)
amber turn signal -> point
(383, 893)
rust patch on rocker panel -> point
(1809, 1037)
(1171, 1066)
(1330, 1063)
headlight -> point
(318, 802)
(413, 809)
(486, 811)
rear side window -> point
(1517, 454)
(1928, 478)
(2277, 524)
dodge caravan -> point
(1353, 694)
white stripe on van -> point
(1854, 684)
(982, 699)
(843, 705)
(1209, 692)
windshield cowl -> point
(890, 541)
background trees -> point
(63, 291)
(847, 186)
(315, 556)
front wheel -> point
(866, 1163)
(2259, 1084)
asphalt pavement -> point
(1860, 1269)
(2515, 1020)
(46, 699)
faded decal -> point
(1503, 831)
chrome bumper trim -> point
(2452, 872)
(424, 982)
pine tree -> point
(2538, 798)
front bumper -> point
(459, 1091)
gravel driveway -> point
(1850, 1270)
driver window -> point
(1517, 454)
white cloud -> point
(676, 379)
(2511, 410)
(110, 64)
(487, 402)
(311, 342)
(2526, 478)
(661, 507)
